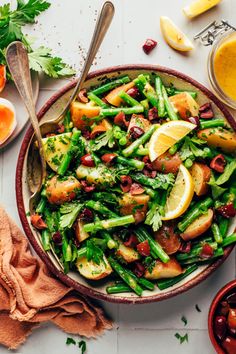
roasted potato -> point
(134, 204)
(138, 120)
(167, 238)
(55, 148)
(61, 191)
(185, 105)
(101, 127)
(201, 175)
(113, 96)
(127, 253)
(164, 270)
(93, 271)
(80, 234)
(199, 226)
(80, 110)
(167, 163)
(96, 175)
(219, 137)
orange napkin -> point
(29, 294)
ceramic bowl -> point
(222, 293)
(51, 109)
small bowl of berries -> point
(222, 320)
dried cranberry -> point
(133, 92)
(108, 158)
(207, 251)
(136, 189)
(87, 160)
(37, 222)
(57, 238)
(218, 163)
(152, 113)
(149, 45)
(139, 269)
(132, 241)
(220, 327)
(86, 133)
(120, 120)
(185, 247)
(194, 120)
(82, 96)
(205, 107)
(61, 128)
(143, 248)
(86, 215)
(136, 132)
(228, 210)
(126, 182)
(87, 188)
(207, 114)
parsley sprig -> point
(11, 23)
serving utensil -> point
(18, 64)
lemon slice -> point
(174, 36)
(180, 196)
(198, 7)
(167, 135)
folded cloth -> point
(30, 295)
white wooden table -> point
(67, 27)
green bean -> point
(195, 251)
(102, 209)
(46, 237)
(128, 99)
(166, 283)
(118, 288)
(141, 281)
(128, 279)
(144, 86)
(76, 135)
(228, 240)
(145, 104)
(218, 253)
(191, 93)
(41, 205)
(150, 192)
(216, 233)
(161, 103)
(188, 163)
(97, 100)
(139, 165)
(67, 123)
(126, 110)
(168, 106)
(140, 141)
(213, 123)
(197, 210)
(111, 244)
(108, 224)
(110, 85)
(223, 225)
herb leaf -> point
(94, 253)
(182, 339)
(154, 217)
(70, 212)
(70, 340)
(82, 345)
(184, 320)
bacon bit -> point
(205, 107)
(133, 92)
(185, 247)
(86, 133)
(152, 113)
(37, 222)
(108, 159)
(207, 251)
(82, 96)
(132, 241)
(143, 248)
(86, 215)
(57, 238)
(149, 45)
(126, 182)
(121, 120)
(207, 115)
(218, 163)
(136, 132)
(86, 187)
(61, 128)
(139, 269)
(228, 210)
(136, 189)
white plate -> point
(10, 93)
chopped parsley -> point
(184, 320)
(149, 263)
(70, 340)
(198, 308)
(182, 339)
(82, 346)
(94, 253)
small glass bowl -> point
(211, 74)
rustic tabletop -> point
(66, 28)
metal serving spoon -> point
(18, 64)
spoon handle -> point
(102, 25)
(18, 64)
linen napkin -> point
(30, 295)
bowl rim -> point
(85, 290)
(218, 297)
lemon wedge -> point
(174, 36)
(180, 196)
(198, 7)
(167, 135)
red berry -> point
(149, 45)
